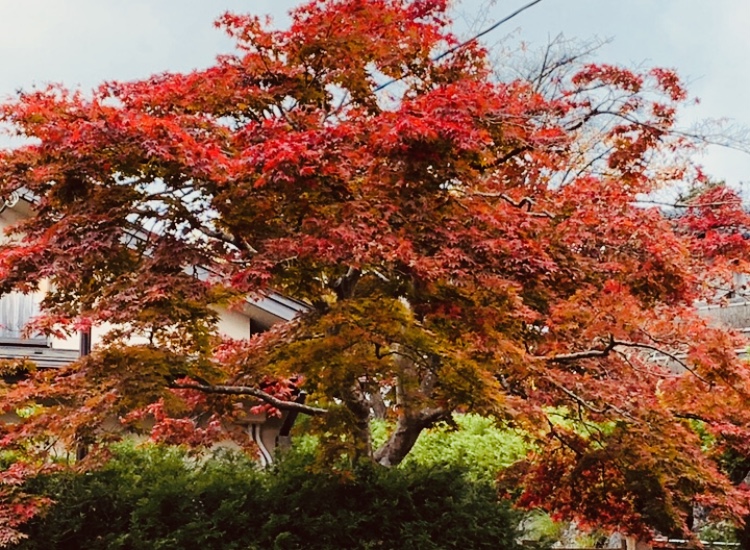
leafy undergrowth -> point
(159, 498)
(475, 444)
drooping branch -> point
(692, 416)
(611, 345)
(578, 355)
(591, 407)
(253, 392)
(666, 353)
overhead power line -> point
(485, 31)
(468, 41)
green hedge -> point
(158, 498)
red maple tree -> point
(462, 244)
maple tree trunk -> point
(413, 391)
(379, 408)
(363, 437)
(399, 443)
(405, 435)
(358, 405)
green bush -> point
(476, 443)
(159, 498)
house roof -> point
(266, 311)
(43, 357)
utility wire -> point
(466, 42)
(485, 31)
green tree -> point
(474, 442)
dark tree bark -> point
(405, 435)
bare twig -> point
(486, 31)
(664, 352)
(528, 202)
(683, 205)
(465, 43)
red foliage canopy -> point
(463, 244)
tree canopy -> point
(461, 243)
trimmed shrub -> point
(159, 498)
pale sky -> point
(83, 42)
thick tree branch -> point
(578, 355)
(377, 405)
(344, 285)
(253, 392)
(358, 403)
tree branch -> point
(253, 392)
(611, 345)
(575, 356)
(528, 202)
(587, 405)
(684, 205)
(671, 356)
(691, 416)
(344, 285)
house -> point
(17, 309)
(735, 311)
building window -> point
(16, 310)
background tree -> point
(462, 245)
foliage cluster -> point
(473, 442)
(161, 498)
